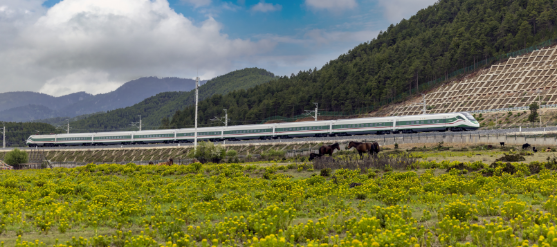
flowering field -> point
(252, 205)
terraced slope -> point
(516, 83)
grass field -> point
(268, 204)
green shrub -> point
(197, 166)
(315, 180)
(273, 154)
(208, 152)
(361, 196)
(16, 157)
(326, 172)
(231, 153)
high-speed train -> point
(461, 121)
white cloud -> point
(198, 3)
(93, 82)
(266, 7)
(231, 6)
(396, 10)
(95, 45)
(331, 5)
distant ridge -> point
(11, 100)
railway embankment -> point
(242, 151)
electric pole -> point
(68, 126)
(225, 118)
(309, 112)
(137, 124)
(316, 108)
(540, 106)
(423, 104)
(196, 105)
(225, 121)
(425, 108)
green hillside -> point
(17, 133)
(164, 105)
(442, 38)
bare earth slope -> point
(516, 82)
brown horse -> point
(328, 149)
(370, 148)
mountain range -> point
(30, 106)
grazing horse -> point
(370, 148)
(328, 149)
(168, 163)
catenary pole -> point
(4, 136)
(423, 95)
(316, 108)
(540, 106)
(196, 104)
(225, 118)
(68, 131)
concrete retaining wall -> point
(469, 139)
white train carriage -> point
(303, 129)
(74, 139)
(362, 126)
(461, 121)
(246, 132)
(151, 136)
(42, 140)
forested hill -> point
(444, 37)
(17, 133)
(164, 105)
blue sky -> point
(96, 45)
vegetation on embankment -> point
(281, 152)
